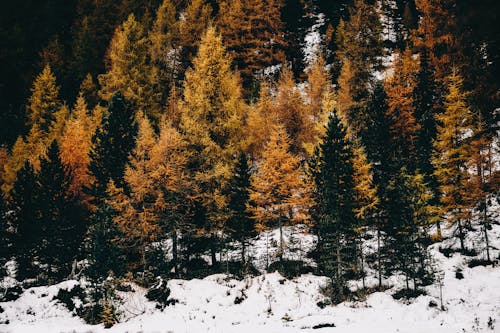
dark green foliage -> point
(111, 145)
(240, 225)
(24, 218)
(103, 254)
(66, 296)
(61, 218)
(160, 294)
(5, 244)
(408, 293)
(290, 268)
(332, 173)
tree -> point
(279, 194)
(361, 54)
(452, 152)
(332, 172)
(409, 216)
(75, 147)
(24, 218)
(212, 119)
(253, 33)
(111, 145)
(240, 224)
(400, 88)
(130, 71)
(44, 101)
(5, 239)
(61, 218)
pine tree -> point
(44, 101)
(452, 152)
(278, 192)
(240, 225)
(24, 218)
(332, 172)
(130, 71)
(61, 218)
(111, 145)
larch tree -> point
(400, 88)
(44, 101)
(164, 52)
(212, 118)
(451, 155)
(130, 71)
(75, 147)
(279, 193)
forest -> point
(144, 140)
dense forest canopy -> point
(130, 124)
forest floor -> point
(270, 303)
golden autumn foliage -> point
(75, 146)
(400, 87)
(129, 70)
(212, 112)
(279, 192)
(364, 186)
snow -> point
(272, 303)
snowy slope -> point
(274, 304)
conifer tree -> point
(75, 147)
(103, 253)
(212, 119)
(44, 101)
(334, 194)
(452, 152)
(192, 27)
(400, 89)
(253, 33)
(88, 90)
(164, 52)
(24, 218)
(61, 218)
(278, 192)
(409, 216)
(240, 225)
(111, 145)
(5, 244)
(130, 71)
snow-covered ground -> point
(270, 303)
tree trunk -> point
(461, 235)
(174, 253)
(243, 251)
(281, 240)
(379, 261)
(339, 268)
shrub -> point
(290, 268)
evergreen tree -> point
(111, 145)
(334, 194)
(240, 225)
(452, 152)
(24, 218)
(61, 218)
(103, 253)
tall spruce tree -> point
(334, 194)
(111, 145)
(61, 218)
(240, 224)
(24, 218)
